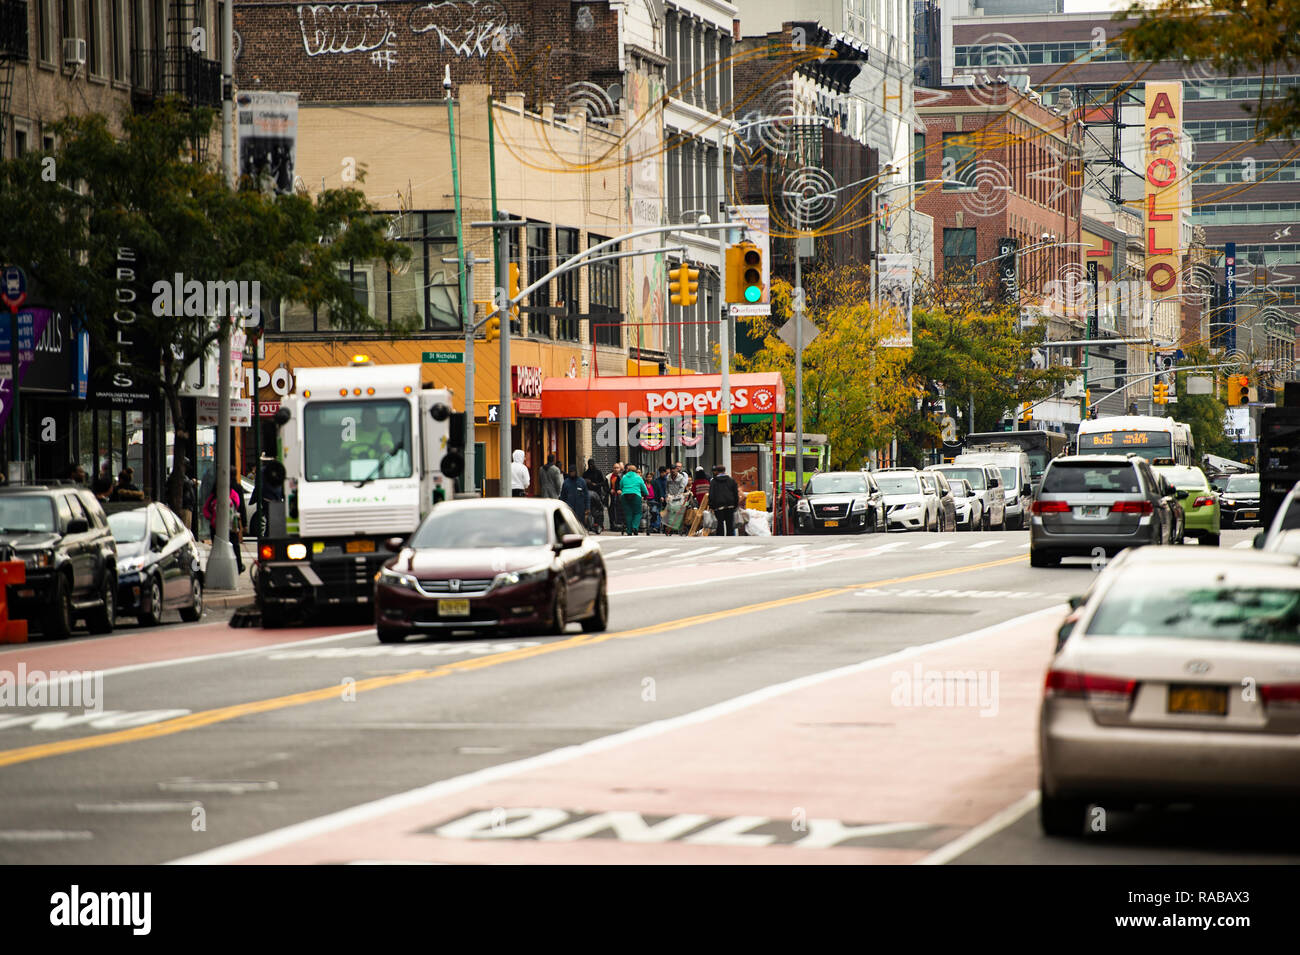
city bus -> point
(1159, 440)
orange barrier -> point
(11, 631)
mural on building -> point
(644, 190)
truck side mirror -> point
(282, 416)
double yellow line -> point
(222, 714)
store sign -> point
(527, 381)
(241, 412)
(691, 432)
(701, 401)
(1164, 175)
(119, 378)
(267, 409)
(651, 437)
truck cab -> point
(366, 452)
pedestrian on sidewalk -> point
(551, 480)
(238, 517)
(700, 486)
(615, 500)
(519, 476)
(633, 490)
(724, 498)
(575, 493)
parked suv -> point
(947, 504)
(986, 481)
(910, 503)
(1097, 502)
(62, 535)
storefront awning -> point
(661, 396)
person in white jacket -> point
(519, 476)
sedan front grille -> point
(457, 587)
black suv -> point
(62, 535)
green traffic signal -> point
(753, 293)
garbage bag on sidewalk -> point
(756, 523)
(674, 512)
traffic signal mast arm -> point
(1139, 376)
(586, 256)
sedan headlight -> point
(131, 565)
(512, 577)
(395, 578)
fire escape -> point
(176, 69)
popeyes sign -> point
(1165, 181)
(698, 402)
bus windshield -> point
(1152, 445)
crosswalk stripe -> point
(777, 550)
(885, 547)
(934, 546)
(735, 550)
(652, 553)
(992, 543)
(827, 550)
(619, 553)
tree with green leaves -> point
(1204, 413)
(1237, 38)
(151, 189)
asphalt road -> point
(836, 700)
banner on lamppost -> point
(1008, 278)
(1225, 336)
(268, 137)
(895, 290)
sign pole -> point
(13, 292)
(467, 308)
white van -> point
(1013, 465)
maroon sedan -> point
(492, 563)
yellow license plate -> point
(831, 524)
(453, 608)
(1248, 515)
(359, 547)
(1203, 700)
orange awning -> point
(661, 396)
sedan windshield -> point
(974, 475)
(18, 514)
(898, 484)
(472, 527)
(837, 484)
(128, 526)
(1243, 484)
(1251, 614)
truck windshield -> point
(355, 440)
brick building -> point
(815, 175)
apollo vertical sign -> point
(1162, 211)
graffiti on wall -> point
(466, 27)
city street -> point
(772, 700)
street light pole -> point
(503, 368)
(220, 571)
(724, 317)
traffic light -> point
(512, 291)
(683, 284)
(1027, 411)
(1160, 393)
(1238, 390)
(744, 274)
(492, 330)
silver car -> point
(986, 481)
(1177, 680)
(909, 504)
(1097, 503)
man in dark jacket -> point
(575, 493)
(724, 497)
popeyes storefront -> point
(652, 420)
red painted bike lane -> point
(125, 648)
(880, 762)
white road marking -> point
(128, 807)
(992, 543)
(883, 548)
(237, 787)
(276, 839)
(846, 546)
(620, 552)
(934, 546)
(736, 550)
(989, 827)
(657, 552)
(46, 835)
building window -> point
(567, 285)
(539, 263)
(684, 57)
(118, 33)
(44, 26)
(94, 62)
(605, 305)
(674, 182)
(958, 249)
(958, 160)
(670, 51)
(724, 75)
(918, 157)
(68, 19)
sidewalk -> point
(242, 595)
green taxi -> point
(1200, 502)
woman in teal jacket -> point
(632, 487)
